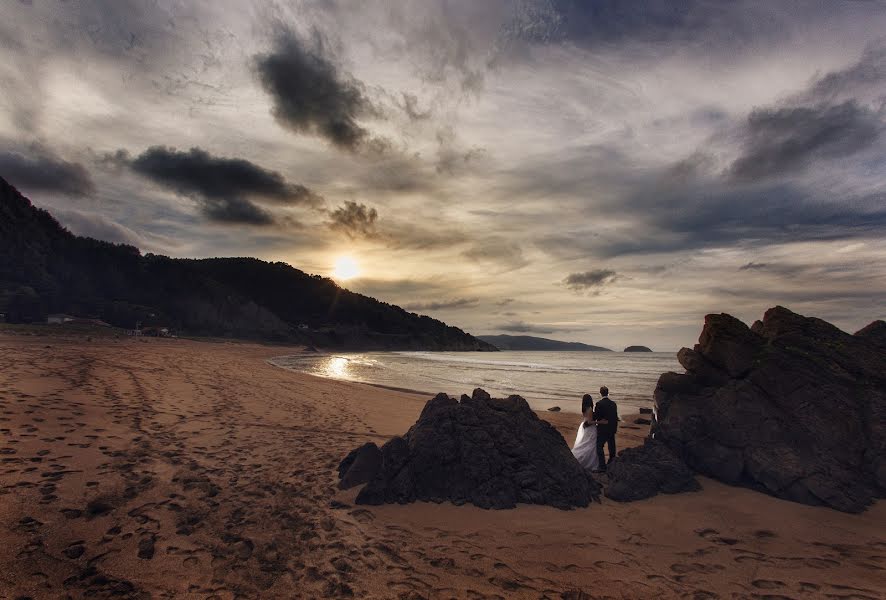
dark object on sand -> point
(637, 349)
(647, 470)
(645, 411)
(791, 406)
(554, 409)
(642, 421)
(359, 466)
(487, 451)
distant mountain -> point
(44, 269)
(528, 342)
(637, 349)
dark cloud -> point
(780, 141)
(223, 186)
(590, 279)
(665, 26)
(356, 220)
(38, 168)
(442, 304)
(752, 266)
(310, 93)
(693, 22)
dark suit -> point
(606, 409)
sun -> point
(345, 268)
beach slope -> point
(174, 468)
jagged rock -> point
(491, 452)
(791, 406)
(644, 471)
(359, 466)
(637, 349)
(554, 409)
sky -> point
(605, 172)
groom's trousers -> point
(605, 438)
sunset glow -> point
(345, 268)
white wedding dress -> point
(585, 448)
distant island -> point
(45, 270)
(637, 349)
(529, 343)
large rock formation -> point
(791, 406)
(490, 452)
(644, 471)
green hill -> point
(46, 269)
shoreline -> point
(569, 404)
(193, 469)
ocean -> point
(544, 379)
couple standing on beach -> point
(596, 430)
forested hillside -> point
(46, 269)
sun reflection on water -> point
(335, 366)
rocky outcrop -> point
(791, 406)
(359, 466)
(647, 470)
(490, 452)
(637, 349)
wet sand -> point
(181, 469)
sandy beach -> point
(149, 468)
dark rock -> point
(792, 406)
(637, 349)
(360, 466)
(554, 409)
(647, 470)
(642, 421)
(645, 411)
(491, 452)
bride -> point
(585, 448)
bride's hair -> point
(586, 402)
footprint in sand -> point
(767, 584)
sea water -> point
(545, 379)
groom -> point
(607, 411)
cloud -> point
(523, 327)
(752, 266)
(410, 107)
(497, 249)
(784, 140)
(100, 227)
(604, 22)
(39, 168)
(867, 75)
(310, 94)
(442, 304)
(222, 186)
(590, 279)
(356, 220)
